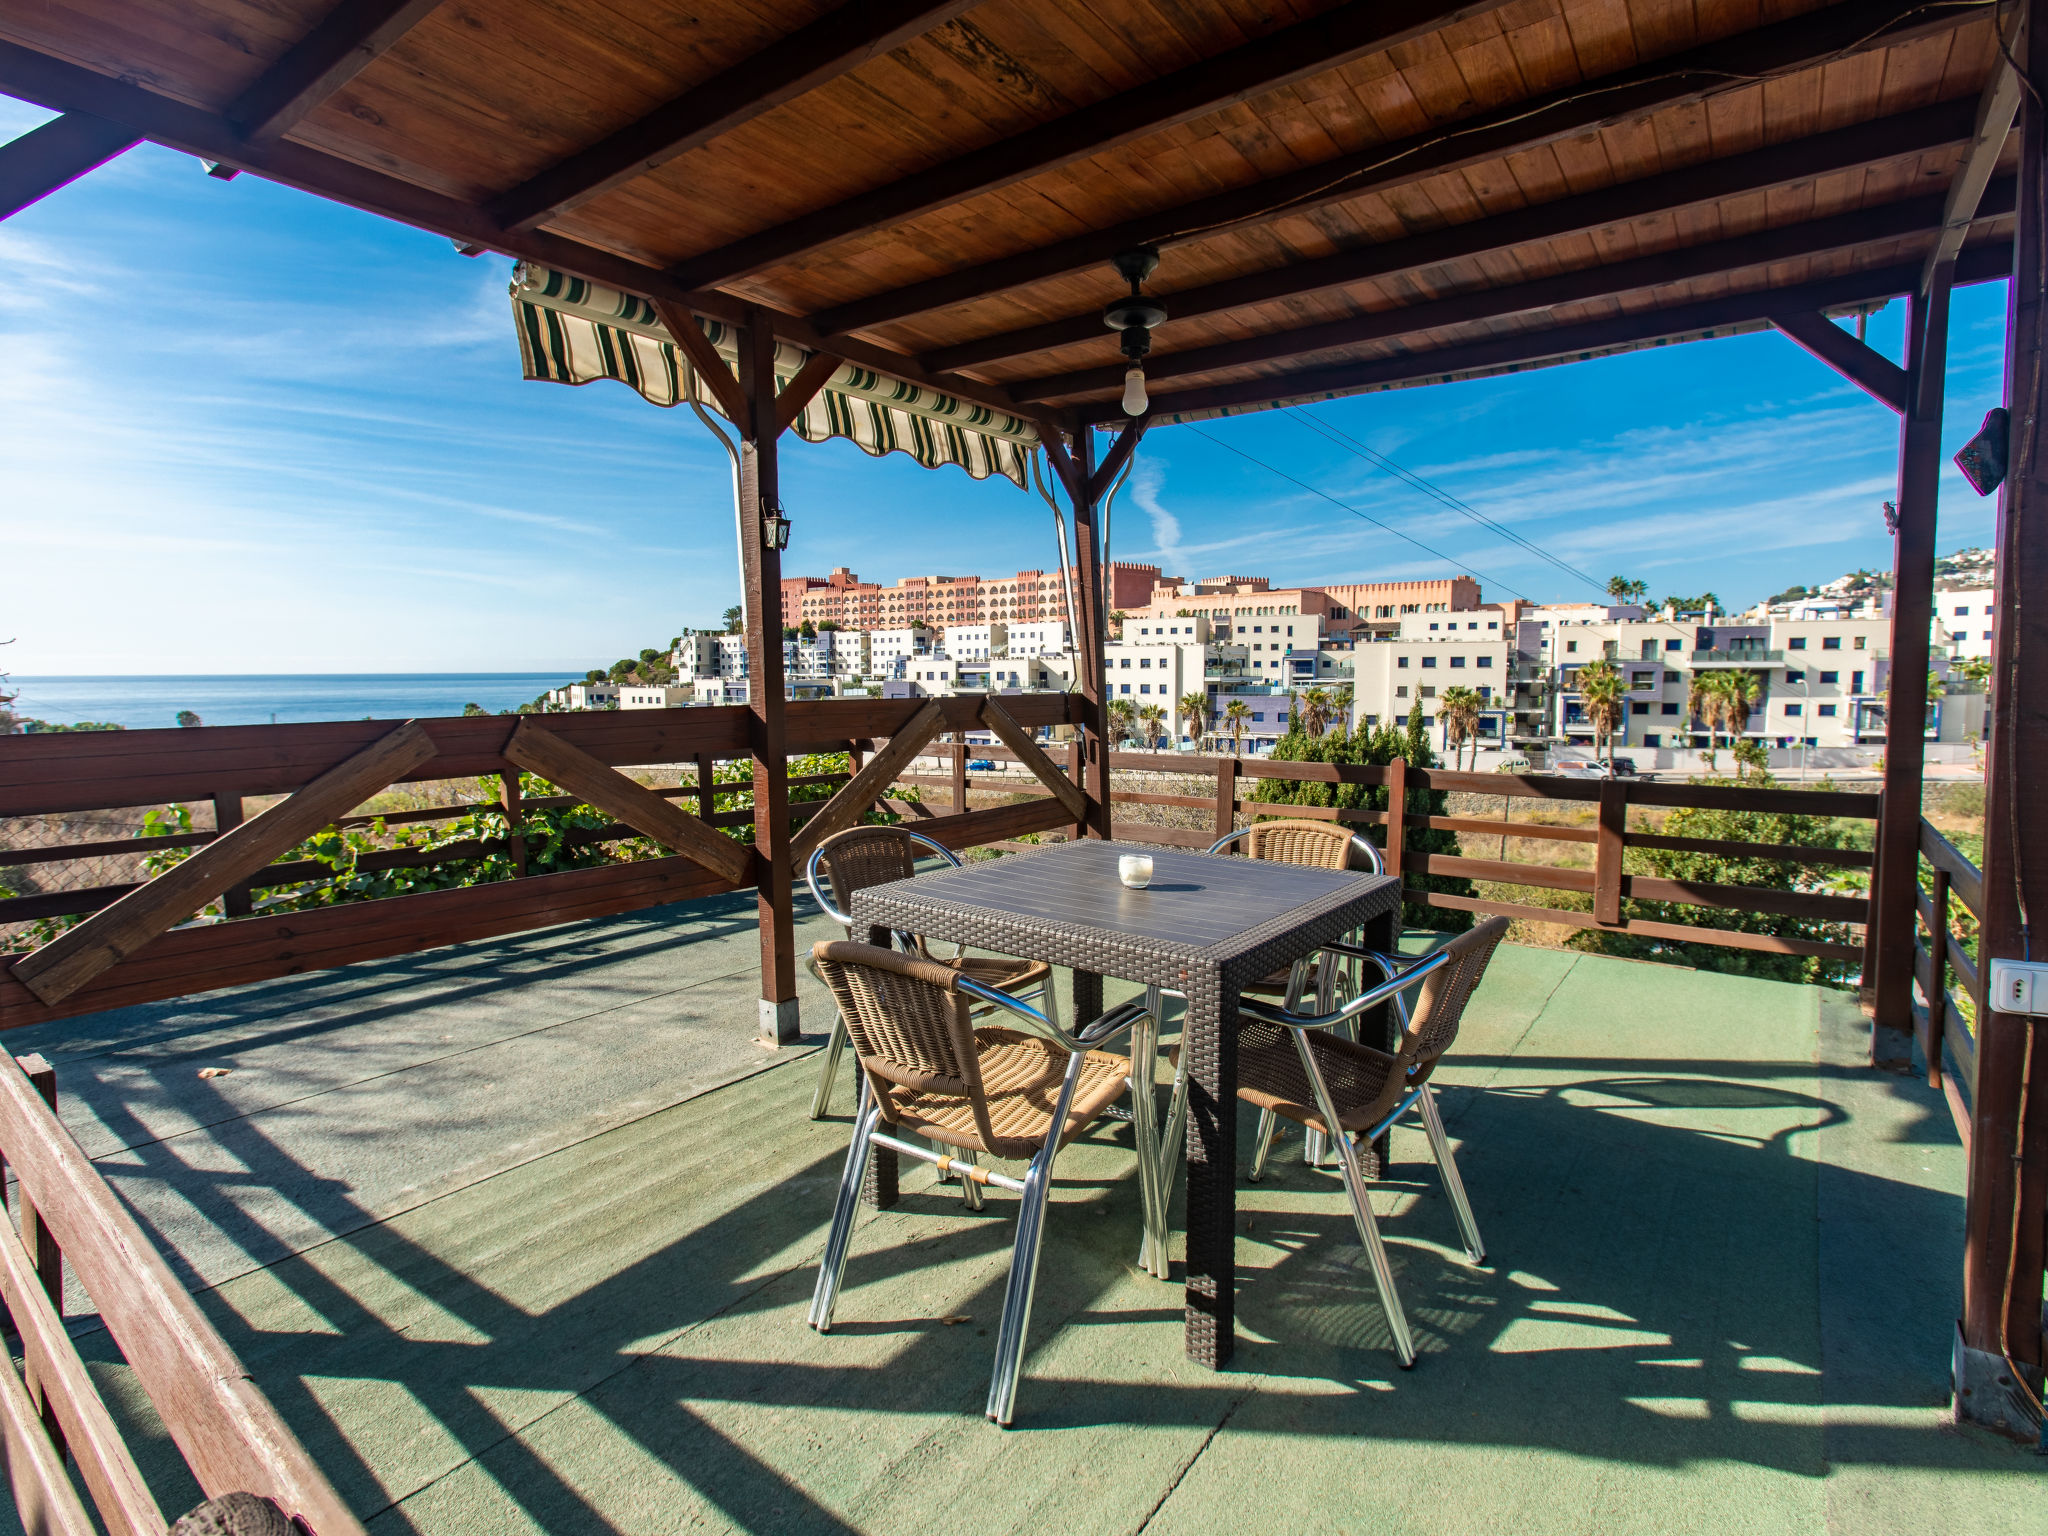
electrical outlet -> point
(2019, 986)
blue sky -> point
(246, 430)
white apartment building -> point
(654, 695)
(585, 696)
(830, 654)
(1039, 638)
(974, 642)
(1388, 677)
(890, 650)
(1965, 614)
(704, 656)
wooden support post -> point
(707, 775)
(510, 802)
(1895, 878)
(1226, 796)
(761, 575)
(227, 815)
(2007, 1205)
(958, 788)
(43, 1250)
(1092, 622)
(1397, 813)
(1077, 770)
(1607, 851)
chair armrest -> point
(1363, 846)
(1399, 981)
(1111, 1024)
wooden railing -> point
(229, 1435)
(1946, 1032)
(1606, 884)
(227, 766)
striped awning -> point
(572, 331)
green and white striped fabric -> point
(572, 331)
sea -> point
(142, 702)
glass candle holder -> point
(1135, 870)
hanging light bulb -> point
(1134, 318)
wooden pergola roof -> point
(1346, 195)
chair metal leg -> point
(1447, 1166)
(1173, 1143)
(828, 1073)
(1152, 1149)
(1262, 1143)
(839, 1239)
(1375, 1251)
(970, 1192)
(1015, 1330)
(1361, 1206)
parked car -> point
(981, 765)
(1625, 768)
(1575, 768)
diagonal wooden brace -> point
(114, 933)
(1048, 772)
(539, 749)
(865, 787)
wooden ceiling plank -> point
(1290, 54)
(347, 40)
(61, 86)
(1996, 110)
(1586, 284)
(1624, 96)
(837, 42)
(1776, 166)
(1977, 264)
(56, 154)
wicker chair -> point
(1319, 845)
(1292, 1065)
(927, 1071)
(859, 857)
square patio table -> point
(1209, 926)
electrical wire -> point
(1438, 494)
(1362, 516)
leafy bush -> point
(1375, 748)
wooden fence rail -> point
(1947, 1039)
(229, 1435)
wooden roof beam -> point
(1977, 264)
(806, 59)
(61, 86)
(1786, 47)
(1857, 361)
(56, 154)
(1819, 154)
(346, 41)
(1348, 32)
(1789, 242)
(1995, 113)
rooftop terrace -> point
(551, 1271)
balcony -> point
(580, 1306)
(1741, 656)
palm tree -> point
(1313, 709)
(1154, 720)
(1699, 703)
(1235, 714)
(1120, 715)
(1743, 690)
(1194, 712)
(1458, 712)
(1622, 590)
(1605, 700)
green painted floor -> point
(1722, 1277)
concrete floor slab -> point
(1722, 1263)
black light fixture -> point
(774, 525)
(1136, 317)
(1983, 458)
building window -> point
(1796, 643)
(1457, 661)
(1259, 715)
(1127, 687)
(1793, 709)
(1962, 613)
(1486, 661)
(1855, 682)
(1827, 709)
(1401, 691)
(1831, 642)
(1831, 677)
(1667, 709)
(1674, 645)
(1400, 661)
(1429, 690)
(1653, 740)
(1795, 677)
(1860, 639)
(1429, 661)
(1638, 709)
(1571, 645)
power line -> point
(1363, 516)
(1438, 494)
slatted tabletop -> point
(1209, 925)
